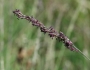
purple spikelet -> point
(50, 31)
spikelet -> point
(50, 31)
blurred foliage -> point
(69, 16)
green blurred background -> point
(69, 16)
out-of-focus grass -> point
(71, 17)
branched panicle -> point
(50, 31)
